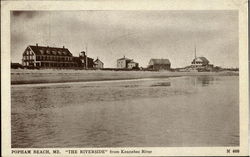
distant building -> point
(122, 63)
(47, 57)
(126, 63)
(54, 57)
(201, 64)
(200, 61)
(159, 64)
(133, 65)
(98, 64)
(83, 61)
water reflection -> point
(205, 80)
(183, 111)
(161, 84)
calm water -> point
(181, 111)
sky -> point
(139, 35)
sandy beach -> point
(20, 76)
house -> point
(201, 64)
(159, 64)
(200, 61)
(126, 63)
(122, 63)
(47, 57)
(98, 64)
(54, 57)
(83, 61)
(133, 65)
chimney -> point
(63, 46)
(36, 44)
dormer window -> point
(41, 51)
(54, 52)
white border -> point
(240, 5)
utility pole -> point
(195, 51)
(86, 56)
(195, 55)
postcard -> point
(124, 78)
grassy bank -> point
(20, 76)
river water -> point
(178, 111)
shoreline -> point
(19, 77)
(82, 82)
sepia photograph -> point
(124, 79)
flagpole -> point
(86, 56)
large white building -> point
(126, 63)
(201, 64)
(47, 57)
(200, 61)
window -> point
(41, 51)
(54, 52)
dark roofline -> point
(204, 59)
(48, 47)
(124, 58)
(98, 60)
(153, 59)
(36, 49)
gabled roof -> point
(159, 61)
(43, 50)
(98, 60)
